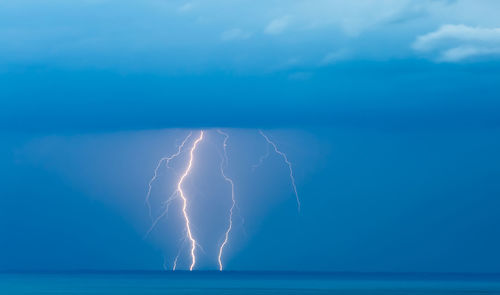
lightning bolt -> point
(163, 214)
(184, 200)
(224, 163)
(180, 194)
(155, 176)
(174, 267)
(261, 159)
(175, 260)
(283, 155)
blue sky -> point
(388, 110)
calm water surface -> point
(244, 283)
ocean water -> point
(245, 283)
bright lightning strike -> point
(174, 267)
(224, 164)
(175, 261)
(282, 154)
(163, 214)
(180, 194)
(184, 200)
(155, 176)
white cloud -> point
(235, 34)
(277, 26)
(463, 52)
(453, 43)
(356, 17)
(457, 33)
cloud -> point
(460, 53)
(453, 43)
(354, 18)
(176, 34)
(277, 26)
(186, 7)
(235, 34)
(335, 56)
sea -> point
(207, 282)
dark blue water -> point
(245, 283)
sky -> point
(387, 109)
(94, 65)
